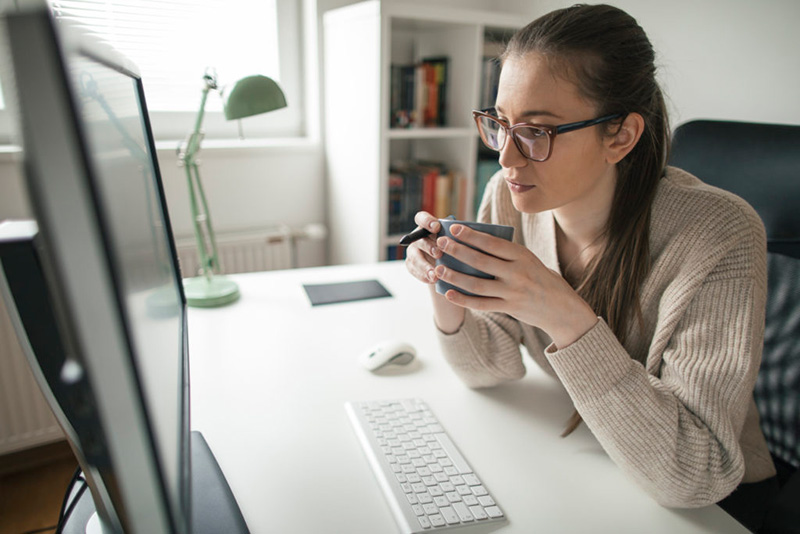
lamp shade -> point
(252, 95)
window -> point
(174, 42)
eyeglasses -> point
(534, 141)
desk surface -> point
(270, 376)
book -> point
(444, 190)
(437, 101)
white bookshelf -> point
(361, 42)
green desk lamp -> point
(249, 96)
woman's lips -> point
(518, 188)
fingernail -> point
(456, 229)
(431, 276)
(442, 243)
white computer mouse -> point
(389, 352)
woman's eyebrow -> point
(532, 113)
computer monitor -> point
(96, 289)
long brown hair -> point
(607, 55)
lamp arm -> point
(198, 224)
(211, 260)
(201, 218)
(189, 151)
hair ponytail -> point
(607, 55)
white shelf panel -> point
(430, 133)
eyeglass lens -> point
(534, 143)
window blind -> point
(174, 42)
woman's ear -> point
(620, 144)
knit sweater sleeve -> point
(485, 351)
(676, 431)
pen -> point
(418, 234)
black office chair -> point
(761, 164)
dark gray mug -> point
(497, 230)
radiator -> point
(244, 252)
(25, 417)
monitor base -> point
(214, 508)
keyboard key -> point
(494, 512)
(453, 496)
(478, 512)
(479, 491)
(486, 500)
(472, 480)
(441, 501)
(419, 487)
(424, 522)
(470, 500)
(450, 515)
(437, 520)
(463, 512)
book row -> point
(424, 186)
(418, 94)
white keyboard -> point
(428, 484)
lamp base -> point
(202, 292)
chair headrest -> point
(758, 162)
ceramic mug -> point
(497, 230)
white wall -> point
(245, 187)
(728, 59)
(718, 59)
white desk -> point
(270, 375)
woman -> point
(639, 287)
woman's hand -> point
(523, 287)
(421, 254)
(420, 261)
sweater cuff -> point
(458, 346)
(592, 365)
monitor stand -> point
(214, 507)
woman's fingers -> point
(425, 220)
(495, 246)
(477, 259)
(482, 287)
(419, 265)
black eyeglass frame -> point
(551, 130)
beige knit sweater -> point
(673, 406)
